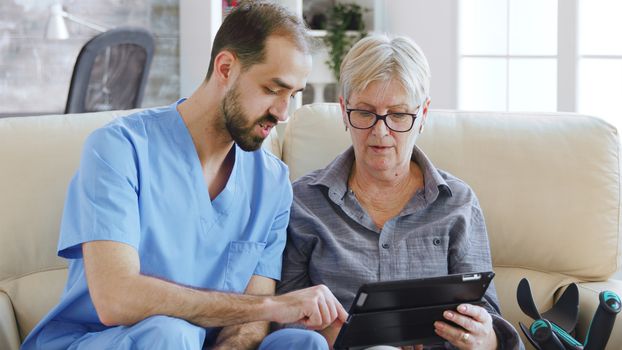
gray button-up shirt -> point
(333, 241)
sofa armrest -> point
(9, 336)
(588, 303)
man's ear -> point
(223, 65)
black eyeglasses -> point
(398, 122)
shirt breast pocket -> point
(242, 260)
(428, 255)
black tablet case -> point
(403, 312)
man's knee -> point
(163, 332)
(292, 338)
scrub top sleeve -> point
(102, 200)
(271, 259)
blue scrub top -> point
(140, 182)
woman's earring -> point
(346, 125)
(420, 128)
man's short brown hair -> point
(245, 30)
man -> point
(175, 212)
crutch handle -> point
(542, 332)
(602, 323)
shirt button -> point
(385, 245)
(436, 241)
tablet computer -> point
(403, 312)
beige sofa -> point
(549, 185)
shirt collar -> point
(434, 182)
(335, 176)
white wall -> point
(198, 24)
(433, 25)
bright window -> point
(599, 85)
(541, 55)
(600, 25)
(508, 55)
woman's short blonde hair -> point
(383, 58)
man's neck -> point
(201, 114)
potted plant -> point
(227, 6)
(344, 27)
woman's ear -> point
(426, 105)
(344, 117)
(424, 115)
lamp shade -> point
(56, 28)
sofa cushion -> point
(9, 336)
(34, 295)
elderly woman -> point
(381, 210)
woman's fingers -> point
(470, 328)
(476, 312)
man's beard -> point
(237, 123)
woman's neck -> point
(384, 198)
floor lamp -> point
(57, 28)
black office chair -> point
(111, 71)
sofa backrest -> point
(38, 157)
(548, 184)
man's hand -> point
(247, 335)
(314, 307)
